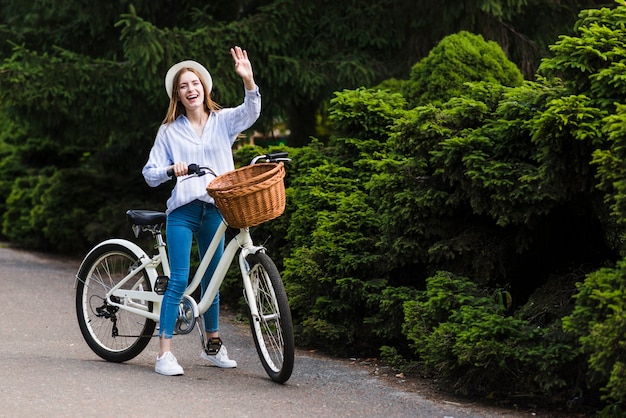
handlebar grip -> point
(276, 155)
(191, 169)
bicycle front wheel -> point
(272, 330)
(114, 334)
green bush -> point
(69, 210)
(21, 223)
(329, 273)
(599, 322)
(340, 289)
(458, 59)
(463, 335)
(610, 163)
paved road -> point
(46, 369)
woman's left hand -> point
(243, 66)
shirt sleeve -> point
(243, 116)
(155, 170)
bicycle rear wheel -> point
(113, 334)
(273, 329)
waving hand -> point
(243, 66)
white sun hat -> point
(171, 73)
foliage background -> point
(454, 204)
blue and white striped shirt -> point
(178, 142)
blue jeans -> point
(200, 220)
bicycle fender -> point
(245, 251)
(136, 250)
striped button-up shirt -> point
(178, 142)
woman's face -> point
(190, 90)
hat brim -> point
(174, 69)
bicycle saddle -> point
(145, 217)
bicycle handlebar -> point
(274, 157)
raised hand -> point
(243, 66)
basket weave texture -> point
(250, 195)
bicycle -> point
(119, 290)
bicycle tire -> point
(113, 334)
(272, 331)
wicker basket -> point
(250, 195)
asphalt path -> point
(46, 368)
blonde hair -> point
(176, 108)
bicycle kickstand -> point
(200, 324)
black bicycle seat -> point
(145, 217)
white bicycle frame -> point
(128, 297)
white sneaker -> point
(220, 359)
(168, 365)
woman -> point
(195, 130)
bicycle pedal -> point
(213, 346)
(160, 285)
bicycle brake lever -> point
(208, 171)
(197, 171)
